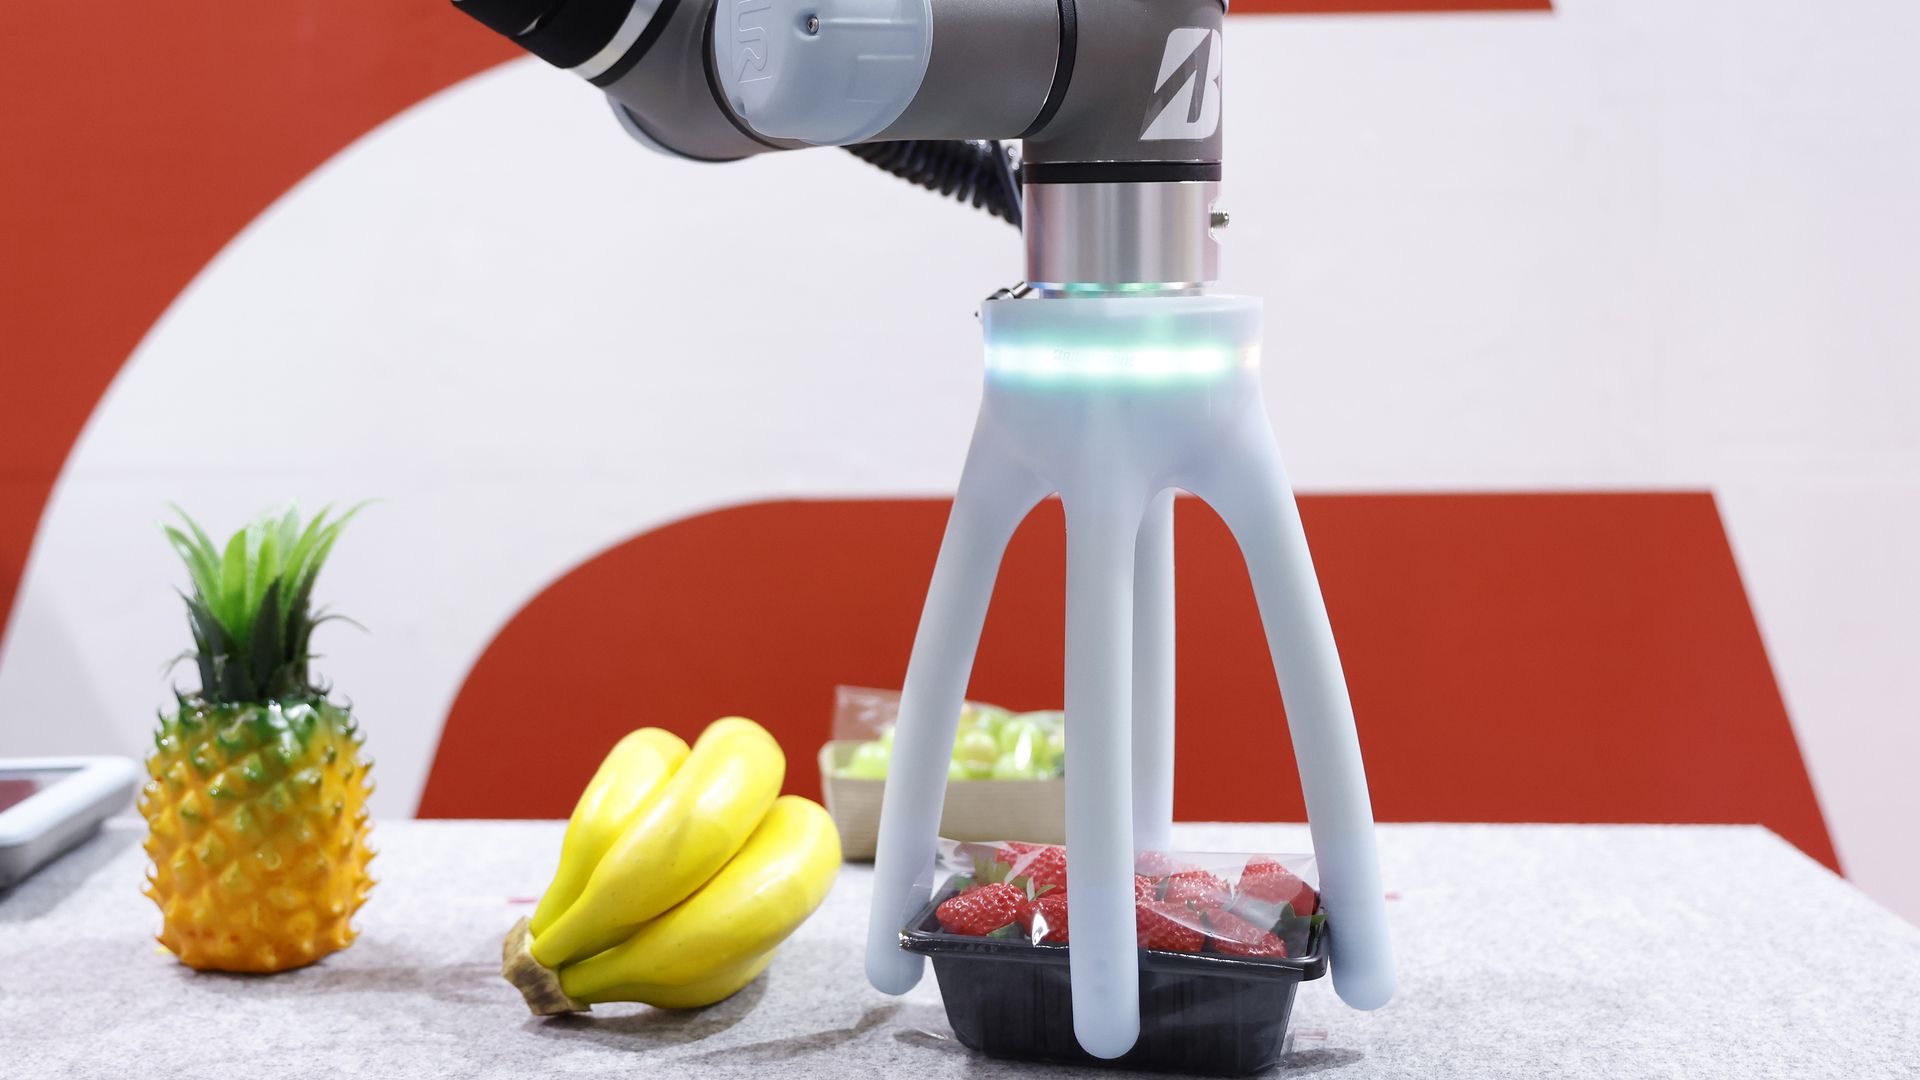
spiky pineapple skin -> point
(257, 827)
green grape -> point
(1016, 731)
(987, 718)
(976, 751)
(1010, 767)
(957, 771)
(1046, 719)
(869, 762)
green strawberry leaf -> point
(988, 868)
(1296, 930)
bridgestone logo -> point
(1186, 96)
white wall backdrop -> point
(1632, 244)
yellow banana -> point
(692, 996)
(635, 770)
(748, 908)
(698, 821)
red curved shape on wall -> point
(1512, 657)
(135, 141)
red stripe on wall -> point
(1511, 657)
(136, 140)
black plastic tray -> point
(1199, 1012)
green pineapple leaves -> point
(251, 606)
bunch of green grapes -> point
(992, 744)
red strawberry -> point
(981, 909)
(1235, 936)
(1270, 885)
(1043, 864)
(1162, 926)
(1198, 889)
(1049, 915)
(1145, 888)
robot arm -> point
(649, 56)
(1118, 107)
(1117, 103)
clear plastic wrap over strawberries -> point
(1246, 905)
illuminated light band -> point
(1122, 340)
(1119, 363)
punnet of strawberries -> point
(1240, 905)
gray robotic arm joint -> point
(1117, 104)
(1081, 80)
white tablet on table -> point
(48, 805)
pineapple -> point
(256, 803)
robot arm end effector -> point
(1118, 107)
(1117, 103)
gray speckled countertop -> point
(1524, 951)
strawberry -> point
(1163, 926)
(1199, 890)
(1235, 936)
(981, 909)
(1145, 888)
(1049, 915)
(1043, 864)
(1268, 885)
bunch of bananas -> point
(681, 872)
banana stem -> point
(539, 984)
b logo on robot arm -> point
(1186, 96)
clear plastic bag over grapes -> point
(991, 742)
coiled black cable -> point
(977, 172)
